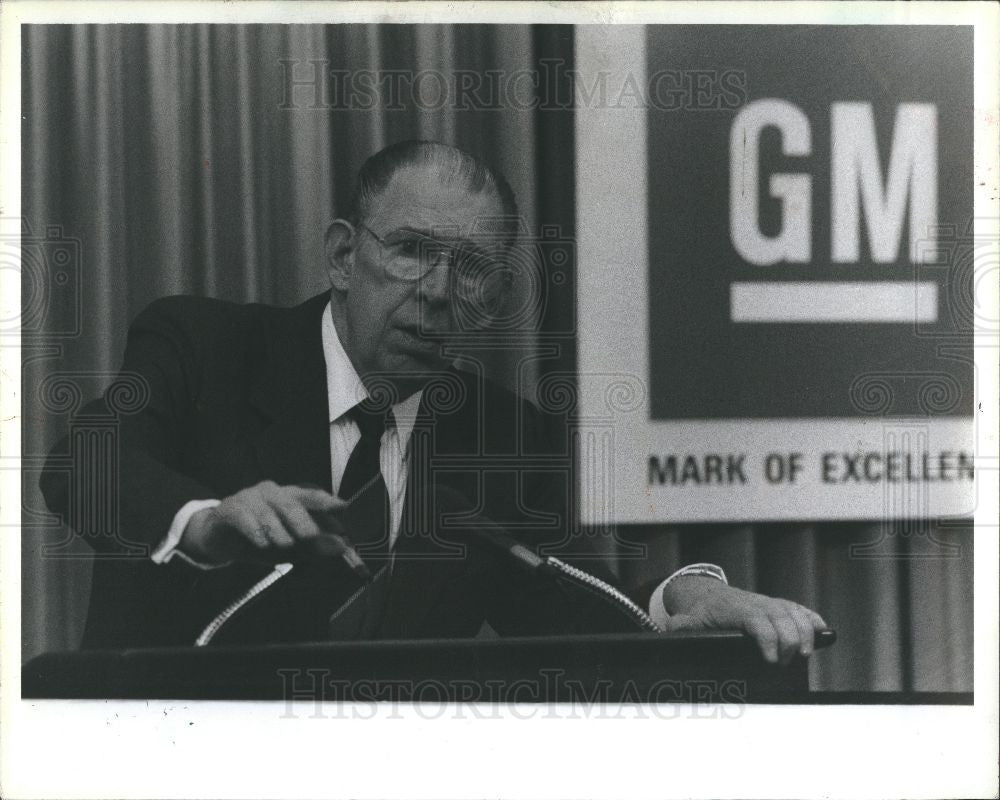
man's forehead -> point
(418, 198)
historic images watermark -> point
(318, 693)
(316, 84)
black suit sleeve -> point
(146, 488)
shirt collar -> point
(345, 389)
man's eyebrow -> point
(459, 242)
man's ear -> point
(341, 242)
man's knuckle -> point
(760, 619)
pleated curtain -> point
(166, 155)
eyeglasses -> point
(476, 276)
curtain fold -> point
(166, 155)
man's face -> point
(392, 328)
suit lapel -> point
(289, 388)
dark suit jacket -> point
(237, 395)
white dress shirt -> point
(345, 390)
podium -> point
(684, 667)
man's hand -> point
(265, 521)
(781, 628)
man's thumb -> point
(681, 622)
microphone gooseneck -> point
(606, 590)
(486, 531)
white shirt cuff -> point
(656, 608)
(167, 548)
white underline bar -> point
(833, 301)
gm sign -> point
(783, 278)
(862, 191)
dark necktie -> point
(363, 484)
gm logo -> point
(863, 191)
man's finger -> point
(788, 633)
(762, 629)
(317, 499)
(296, 519)
(818, 622)
(240, 518)
(268, 525)
(807, 635)
(682, 622)
(272, 526)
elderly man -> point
(287, 474)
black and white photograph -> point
(615, 382)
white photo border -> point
(103, 749)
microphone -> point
(445, 500)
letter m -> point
(857, 179)
(662, 473)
